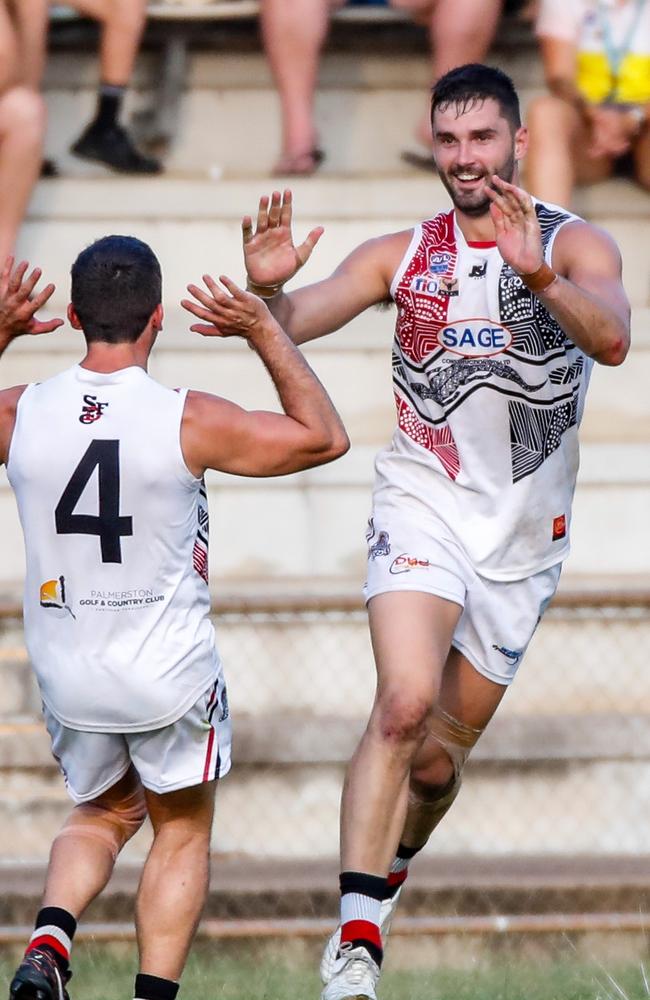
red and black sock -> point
(53, 932)
(399, 869)
(361, 897)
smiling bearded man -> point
(503, 304)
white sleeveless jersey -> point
(489, 394)
(116, 531)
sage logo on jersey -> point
(91, 410)
(439, 262)
(53, 596)
(421, 284)
(475, 338)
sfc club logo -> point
(475, 338)
(53, 596)
(91, 410)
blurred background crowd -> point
(592, 122)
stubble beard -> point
(466, 203)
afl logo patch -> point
(439, 263)
(475, 338)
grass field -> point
(102, 974)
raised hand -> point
(518, 235)
(237, 314)
(270, 255)
(18, 304)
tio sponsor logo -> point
(475, 338)
(423, 285)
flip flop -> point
(303, 165)
(419, 159)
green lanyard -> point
(616, 53)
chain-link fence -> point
(563, 767)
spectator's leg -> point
(294, 32)
(31, 18)
(461, 31)
(556, 152)
(22, 127)
(105, 140)
(641, 154)
(175, 878)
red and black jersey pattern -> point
(201, 545)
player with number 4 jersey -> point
(108, 470)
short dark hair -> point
(467, 85)
(116, 285)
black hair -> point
(473, 83)
(116, 285)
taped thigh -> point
(112, 823)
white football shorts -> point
(407, 551)
(194, 749)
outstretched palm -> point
(518, 235)
(269, 252)
(19, 304)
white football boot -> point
(354, 976)
(386, 914)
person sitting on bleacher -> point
(294, 31)
(22, 127)
(122, 22)
(596, 56)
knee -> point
(23, 110)
(436, 778)
(548, 114)
(401, 718)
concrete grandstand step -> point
(267, 527)
(367, 108)
(243, 888)
(195, 226)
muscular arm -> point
(363, 279)
(588, 299)
(218, 434)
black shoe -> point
(114, 147)
(38, 977)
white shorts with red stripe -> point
(194, 749)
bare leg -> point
(122, 24)
(411, 635)
(556, 153)
(459, 33)
(174, 881)
(294, 32)
(83, 855)
(22, 127)
(470, 699)
(31, 23)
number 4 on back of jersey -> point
(108, 525)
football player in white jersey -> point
(503, 304)
(107, 466)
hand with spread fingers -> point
(236, 314)
(270, 255)
(518, 235)
(18, 304)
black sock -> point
(154, 988)
(54, 930)
(109, 105)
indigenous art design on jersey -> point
(201, 545)
(495, 335)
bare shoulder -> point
(582, 245)
(8, 404)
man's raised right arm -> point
(363, 279)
